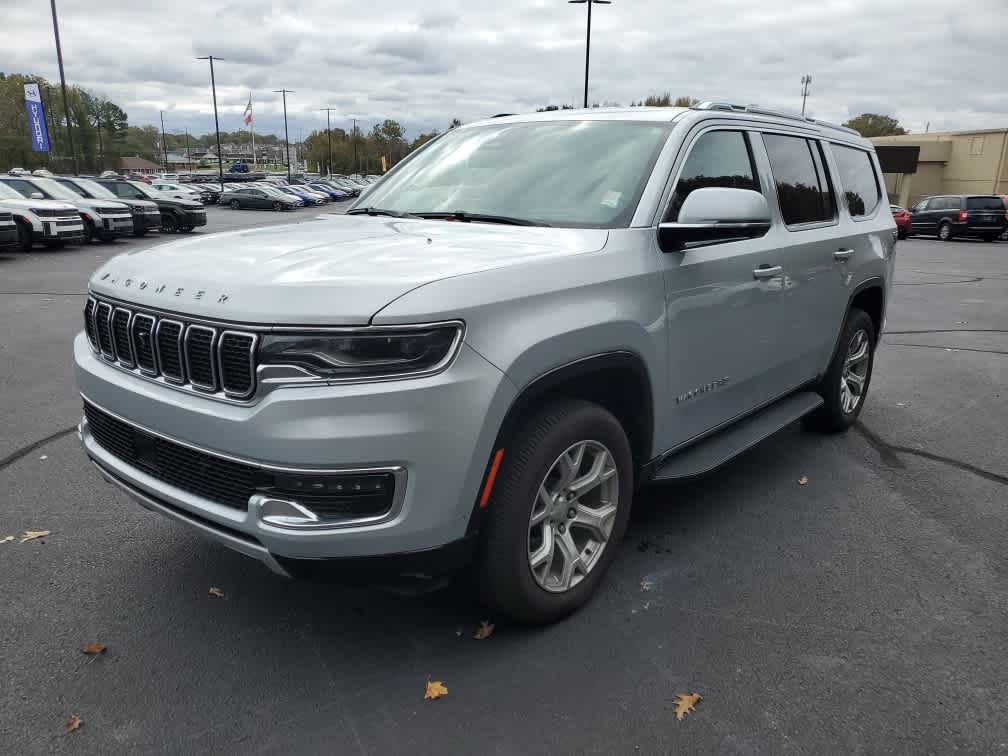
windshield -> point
(984, 203)
(141, 187)
(7, 193)
(55, 189)
(558, 173)
(95, 189)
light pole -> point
(806, 82)
(328, 123)
(286, 138)
(355, 158)
(589, 3)
(66, 102)
(213, 87)
(164, 143)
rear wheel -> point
(169, 224)
(277, 206)
(559, 510)
(845, 385)
(235, 204)
(945, 232)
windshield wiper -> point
(379, 211)
(466, 217)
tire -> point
(169, 223)
(25, 237)
(186, 230)
(901, 234)
(53, 244)
(989, 237)
(945, 231)
(89, 232)
(235, 204)
(138, 232)
(507, 582)
(277, 207)
(837, 414)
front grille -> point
(186, 354)
(111, 210)
(331, 496)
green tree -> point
(873, 125)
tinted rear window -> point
(802, 188)
(857, 175)
(984, 203)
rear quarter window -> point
(984, 203)
(858, 179)
(803, 189)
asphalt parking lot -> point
(863, 612)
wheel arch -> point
(870, 296)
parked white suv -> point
(39, 220)
(519, 325)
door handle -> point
(842, 254)
(767, 271)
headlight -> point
(367, 353)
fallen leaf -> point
(5, 539)
(484, 631)
(94, 648)
(803, 480)
(646, 585)
(684, 704)
(215, 591)
(31, 535)
(435, 689)
(73, 724)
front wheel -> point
(989, 237)
(25, 237)
(169, 224)
(235, 204)
(89, 231)
(277, 207)
(945, 232)
(901, 234)
(138, 232)
(845, 385)
(558, 512)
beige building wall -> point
(961, 162)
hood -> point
(41, 204)
(335, 270)
(90, 203)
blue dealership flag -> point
(36, 118)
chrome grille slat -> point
(103, 328)
(190, 356)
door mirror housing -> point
(37, 195)
(716, 214)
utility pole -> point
(188, 155)
(328, 112)
(66, 101)
(213, 87)
(806, 82)
(589, 3)
(286, 138)
(164, 143)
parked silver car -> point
(522, 323)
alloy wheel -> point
(573, 516)
(854, 377)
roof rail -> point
(756, 110)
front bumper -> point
(116, 225)
(192, 219)
(439, 430)
(146, 221)
(60, 230)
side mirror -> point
(37, 195)
(714, 214)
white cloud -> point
(424, 65)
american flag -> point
(248, 112)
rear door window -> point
(858, 180)
(717, 158)
(984, 203)
(802, 184)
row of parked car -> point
(279, 194)
(59, 210)
(947, 216)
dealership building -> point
(951, 162)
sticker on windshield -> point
(611, 199)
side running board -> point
(713, 452)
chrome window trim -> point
(398, 472)
(180, 380)
(208, 387)
(110, 355)
(129, 361)
(153, 336)
(252, 364)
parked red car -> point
(902, 218)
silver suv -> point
(523, 322)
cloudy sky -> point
(423, 63)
